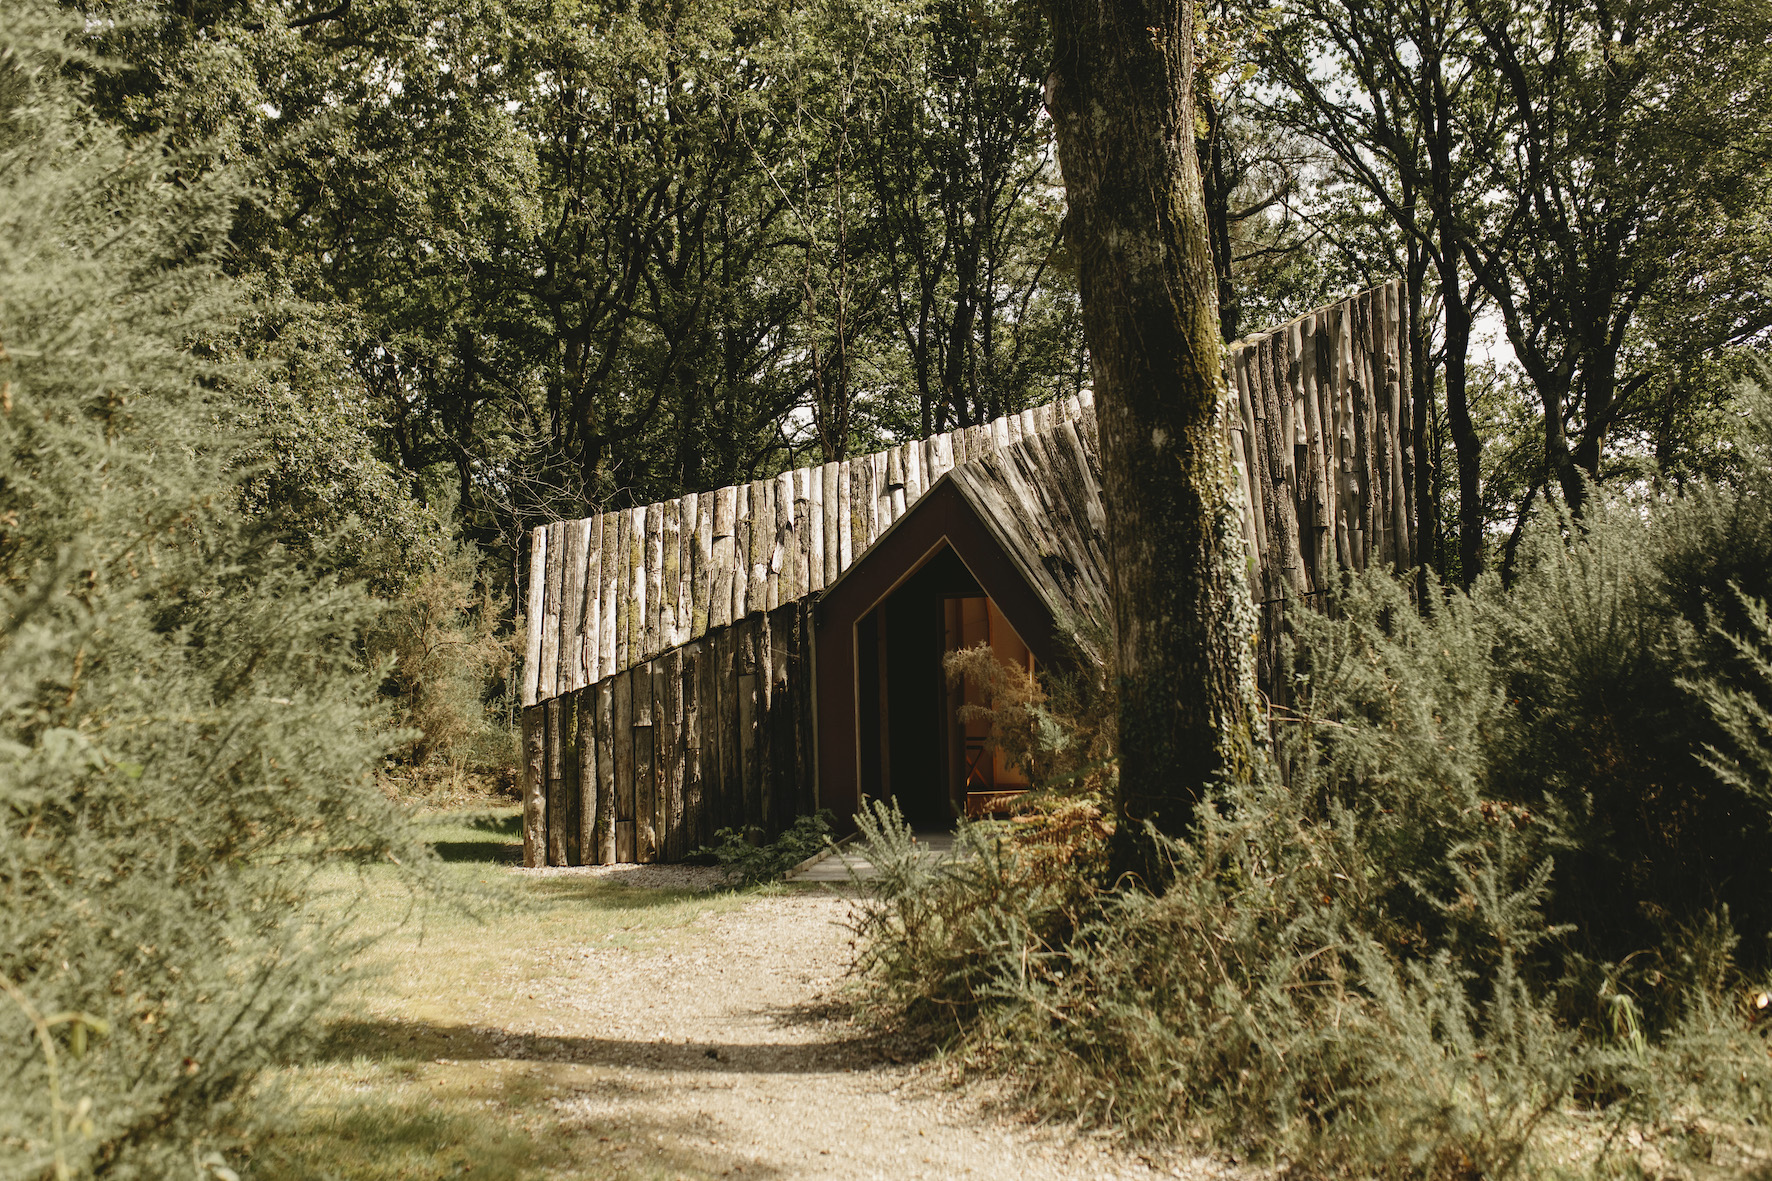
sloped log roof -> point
(1320, 424)
(1040, 501)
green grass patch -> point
(437, 1063)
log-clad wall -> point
(667, 685)
(646, 764)
(1325, 451)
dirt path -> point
(726, 1057)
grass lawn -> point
(416, 1077)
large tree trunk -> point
(1120, 94)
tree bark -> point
(1120, 93)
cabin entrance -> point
(981, 779)
(914, 746)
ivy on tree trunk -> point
(1121, 98)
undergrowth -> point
(1495, 908)
(751, 860)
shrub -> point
(1060, 728)
(187, 731)
(1473, 921)
(750, 860)
(438, 640)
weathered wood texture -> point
(646, 765)
(1321, 448)
(682, 629)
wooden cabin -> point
(739, 657)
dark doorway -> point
(902, 695)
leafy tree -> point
(1625, 203)
(961, 170)
(1387, 90)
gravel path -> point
(730, 1056)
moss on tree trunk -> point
(1120, 93)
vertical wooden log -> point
(1353, 523)
(685, 569)
(556, 799)
(573, 713)
(881, 515)
(762, 538)
(1320, 543)
(741, 552)
(1384, 376)
(815, 526)
(1397, 393)
(623, 582)
(535, 786)
(1239, 439)
(622, 742)
(654, 598)
(1378, 523)
(694, 803)
(783, 789)
(766, 780)
(610, 580)
(800, 526)
(1260, 482)
(646, 768)
(537, 596)
(866, 505)
(750, 709)
(845, 519)
(784, 558)
(604, 720)
(708, 748)
(1372, 469)
(1335, 403)
(701, 579)
(550, 614)
(892, 505)
(727, 725)
(668, 689)
(801, 689)
(670, 572)
(590, 655)
(639, 586)
(724, 558)
(1277, 395)
(1280, 362)
(573, 566)
(1322, 388)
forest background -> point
(309, 313)
(512, 263)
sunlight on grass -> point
(430, 1066)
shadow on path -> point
(422, 1041)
